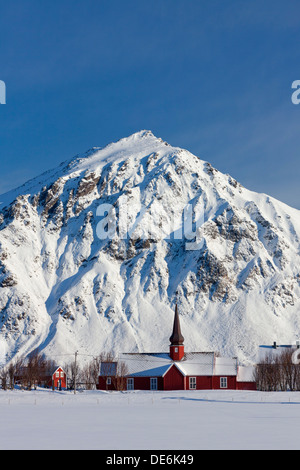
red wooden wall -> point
(140, 383)
(231, 382)
(246, 385)
(174, 380)
(203, 383)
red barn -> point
(177, 370)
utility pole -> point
(75, 371)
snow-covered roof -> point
(146, 365)
(195, 364)
(192, 364)
(225, 366)
(245, 374)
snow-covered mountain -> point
(64, 287)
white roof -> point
(245, 374)
(197, 364)
(192, 364)
(225, 366)
(144, 364)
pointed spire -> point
(176, 338)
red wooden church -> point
(177, 370)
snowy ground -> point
(151, 421)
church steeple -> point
(176, 339)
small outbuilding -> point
(58, 379)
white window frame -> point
(153, 383)
(130, 383)
(223, 382)
(192, 383)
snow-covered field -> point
(177, 420)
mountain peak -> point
(138, 138)
(63, 287)
(141, 141)
(142, 134)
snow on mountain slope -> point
(64, 287)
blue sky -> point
(212, 76)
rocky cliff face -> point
(95, 253)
